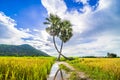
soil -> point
(82, 75)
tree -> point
(61, 29)
(111, 55)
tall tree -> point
(59, 28)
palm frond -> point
(46, 23)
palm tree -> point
(60, 29)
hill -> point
(20, 50)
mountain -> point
(20, 50)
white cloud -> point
(55, 6)
(40, 40)
(99, 46)
(94, 33)
(78, 20)
(83, 1)
(25, 30)
(8, 33)
(105, 4)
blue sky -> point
(95, 23)
(24, 12)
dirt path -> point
(72, 69)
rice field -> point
(25, 68)
(99, 68)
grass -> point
(25, 68)
(73, 74)
(99, 68)
(64, 68)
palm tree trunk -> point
(56, 48)
(65, 57)
(55, 44)
(58, 59)
(60, 52)
(61, 47)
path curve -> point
(80, 74)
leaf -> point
(46, 23)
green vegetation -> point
(74, 76)
(111, 55)
(99, 68)
(20, 50)
(25, 68)
(59, 28)
(64, 68)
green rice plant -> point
(99, 68)
(25, 68)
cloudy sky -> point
(96, 25)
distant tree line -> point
(111, 55)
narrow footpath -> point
(82, 75)
(59, 74)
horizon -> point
(95, 23)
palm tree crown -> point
(61, 29)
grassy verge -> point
(64, 68)
(98, 69)
(73, 74)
